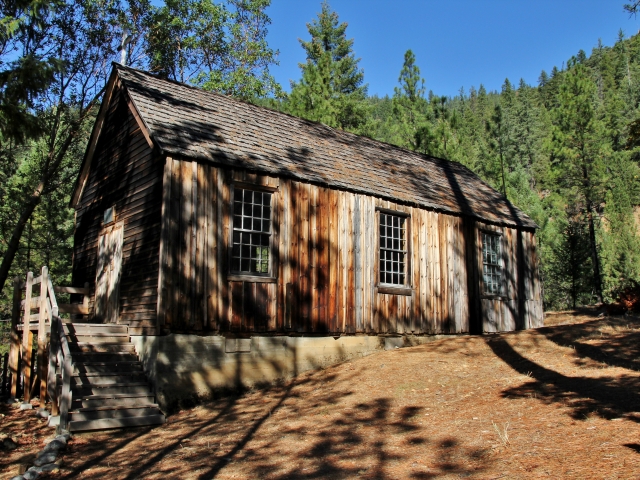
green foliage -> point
(218, 47)
(408, 126)
(331, 89)
(55, 58)
(24, 77)
(566, 152)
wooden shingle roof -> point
(188, 122)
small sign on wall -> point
(237, 345)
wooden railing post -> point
(14, 353)
(52, 377)
(65, 400)
(85, 299)
(42, 335)
(27, 341)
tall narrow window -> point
(491, 264)
(251, 248)
(393, 249)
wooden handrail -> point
(52, 294)
(67, 372)
(52, 376)
(60, 362)
(77, 290)
(27, 340)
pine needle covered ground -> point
(559, 402)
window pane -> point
(492, 265)
(250, 249)
(235, 264)
(392, 249)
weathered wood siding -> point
(325, 264)
(125, 173)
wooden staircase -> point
(109, 388)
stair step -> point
(105, 388)
(113, 400)
(101, 347)
(84, 357)
(109, 385)
(113, 412)
(90, 328)
(114, 407)
(107, 378)
(105, 423)
(132, 366)
(98, 338)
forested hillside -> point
(566, 151)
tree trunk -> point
(597, 279)
(14, 243)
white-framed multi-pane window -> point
(252, 232)
(491, 264)
(393, 250)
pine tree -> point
(580, 150)
(411, 129)
(331, 90)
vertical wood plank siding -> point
(325, 264)
(125, 173)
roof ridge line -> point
(253, 105)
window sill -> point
(407, 291)
(493, 297)
(251, 278)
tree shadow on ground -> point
(308, 428)
(608, 397)
(620, 349)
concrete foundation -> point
(188, 368)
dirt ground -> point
(559, 402)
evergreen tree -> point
(410, 127)
(620, 239)
(25, 70)
(331, 90)
(580, 150)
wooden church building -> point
(240, 244)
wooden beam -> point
(42, 336)
(73, 308)
(14, 353)
(164, 270)
(143, 126)
(26, 341)
(76, 290)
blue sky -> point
(457, 44)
